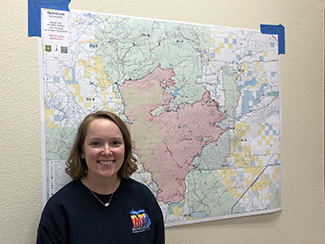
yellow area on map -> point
(242, 176)
(67, 74)
(95, 69)
(49, 113)
(176, 211)
(77, 89)
(264, 140)
(103, 83)
(217, 51)
(87, 41)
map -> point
(202, 104)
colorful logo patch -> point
(140, 221)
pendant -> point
(106, 204)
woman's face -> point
(103, 149)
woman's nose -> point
(107, 150)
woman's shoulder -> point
(66, 192)
(137, 187)
(130, 182)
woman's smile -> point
(106, 162)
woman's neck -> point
(103, 186)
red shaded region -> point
(183, 133)
(159, 76)
(186, 132)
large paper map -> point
(202, 104)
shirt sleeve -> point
(159, 227)
(159, 236)
(47, 236)
(52, 228)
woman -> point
(102, 204)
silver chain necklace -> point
(104, 204)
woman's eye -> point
(116, 143)
(95, 143)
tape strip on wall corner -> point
(276, 30)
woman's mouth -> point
(107, 162)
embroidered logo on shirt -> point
(140, 221)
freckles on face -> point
(103, 148)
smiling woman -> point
(102, 203)
(103, 152)
(77, 167)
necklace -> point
(104, 204)
(86, 183)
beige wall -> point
(302, 219)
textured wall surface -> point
(302, 219)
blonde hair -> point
(77, 167)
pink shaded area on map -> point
(185, 133)
(159, 76)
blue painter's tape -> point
(277, 30)
(34, 13)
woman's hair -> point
(77, 167)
